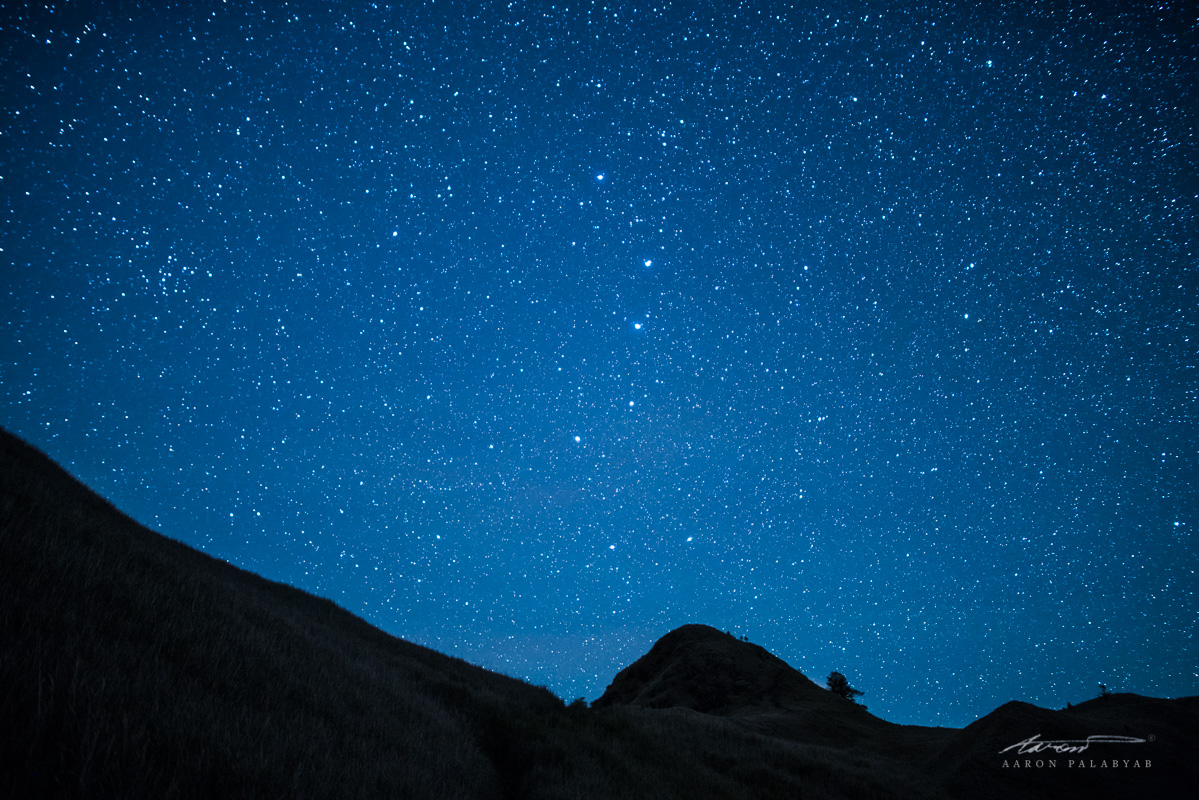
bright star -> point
(578, 438)
(637, 325)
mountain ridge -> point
(132, 665)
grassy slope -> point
(133, 666)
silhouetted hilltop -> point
(985, 759)
(133, 666)
(701, 668)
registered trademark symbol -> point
(1152, 738)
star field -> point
(531, 331)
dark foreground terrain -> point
(132, 666)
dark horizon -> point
(529, 334)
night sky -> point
(531, 331)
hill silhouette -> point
(973, 761)
(133, 666)
(701, 668)
(704, 669)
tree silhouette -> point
(838, 684)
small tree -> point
(838, 684)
